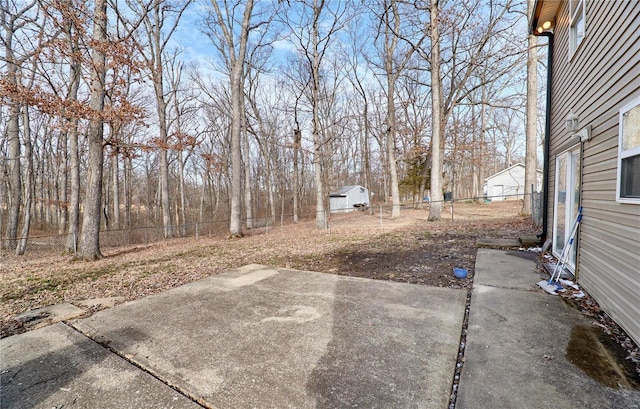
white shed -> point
(508, 184)
(348, 199)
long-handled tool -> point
(552, 285)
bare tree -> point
(313, 29)
(160, 22)
(467, 45)
(90, 237)
(13, 19)
(354, 55)
(186, 139)
(233, 34)
(394, 65)
(73, 29)
(29, 176)
(435, 208)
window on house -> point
(628, 188)
(578, 17)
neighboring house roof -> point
(343, 191)
(509, 169)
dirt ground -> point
(363, 244)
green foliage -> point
(415, 177)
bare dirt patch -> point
(408, 249)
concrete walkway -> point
(259, 337)
(255, 337)
(519, 340)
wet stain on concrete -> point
(527, 255)
(600, 357)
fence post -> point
(380, 216)
(452, 208)
(197, 232)
(531, 201)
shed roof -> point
(344, 190)
(508, 170)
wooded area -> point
(106, 123)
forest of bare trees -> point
(109, 121)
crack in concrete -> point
(106, 345)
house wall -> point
(602, 76)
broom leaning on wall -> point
(552, 286)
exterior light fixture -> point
(585, 134)
(546, 26)
(572, 123)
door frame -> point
(572, 194)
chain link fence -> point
(379, 216)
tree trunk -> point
(321, 221)
(391, 147)
(63, 178)
(237, 58)
(74, 156)
(115, 183)
(161, 105)
(183, 199)
(392, 71)
(28, 188)
(90, 240)
(127, 191)
(74, 179)
(435, 208)
(13, 142)
(531, 155)
(366, 150)
(248, 203)
(297, 137)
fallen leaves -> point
(408, 249)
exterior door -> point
(567, 201)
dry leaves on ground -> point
(364, 244)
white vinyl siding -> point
(609, 240)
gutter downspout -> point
(547, 137)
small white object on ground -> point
(548, 288)
(569, 283)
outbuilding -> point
(508, 184)
(348, 198)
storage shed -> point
(348, 199)
(508, 184)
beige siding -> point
(602, 76)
